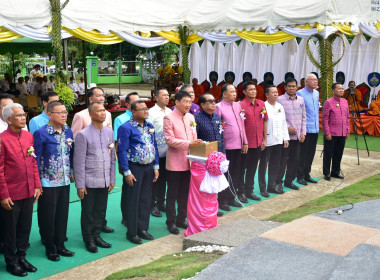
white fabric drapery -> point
(145, 42)
(35, 33)
(361, 58)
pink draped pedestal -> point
(202, 208)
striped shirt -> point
(295, 114)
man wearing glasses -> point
(39, 121)
(19, 189)
(138, 157)
(54, 152)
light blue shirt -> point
(120, 120)
(311, 100)
(38, 121)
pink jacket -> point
(82, 119)
(336, 117)
(178, 134)
(230, 114)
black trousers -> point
(53, 212)
(248, 168)
(234, 156)
(289, 162)
(123, 202)
(333, 150)
(307, 152)
(139, 198)
(17, 225)
(2, 229)
(178, 191)
(159, 187)
(94, 207)
(270, 158)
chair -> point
(366, 93)
(32, 102)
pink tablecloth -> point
(202, 208)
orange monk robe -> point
(350, 99)
(216, 91)
(281, 90)
(374, 107)
(198, 91)
(260, 93)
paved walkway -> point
(322, 246)
(149, 251)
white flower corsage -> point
(242, 114)
(69, 142)
(193, 126)
(151, 130)
(111, 146)
(222, 126)
(31, 151)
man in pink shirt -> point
(82, 119)
(180, 132)
(20, 187)
(235, 141)
(336, 124)
(256, 131)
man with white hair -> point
(308, 147)
(20, 187)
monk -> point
(216, 90)
(302, 84)
(374, 107)
(259, 91)
(198, 90)
(350, 98)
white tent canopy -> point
(200, 15)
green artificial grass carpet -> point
(36, 252)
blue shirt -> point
(311, 100)
(137, 144)
(209, 128)
(38, 121)
(54, 154)
(120, 120)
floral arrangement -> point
(222, 126)
(193, 126)
(242, 114)
(69, 142)
(263, 112)
(31, 151)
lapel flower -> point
(279, 110)
(108, 125)
(242, 114)
(337, 105)
(301, 104)
(111, 146)
(69, 142)
(222, 126)
(108, 139)
(151, 130)
(193, 126)
(195, 110)
(31, 151)
(263, 112)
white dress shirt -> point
(81, 88)
(277, 128)
(156, 117)
(74, 88)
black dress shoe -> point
(173, 229)
(264, 194)
(311, 180)
(327, 178)
(64, 252)
(302, 182)
(134, 239)
(277, 191)
(101, 243)
(224, 207)
(337, 176)
(242, 198)
(106, 229)
(90, 246)
(145, 235)
(291, 186)
(27, 265)
(161, 207)
(220, 214)
(16, 270)
(155, 212)
(53, 257)
(183, 224)
(233, 203)
(252, 196)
